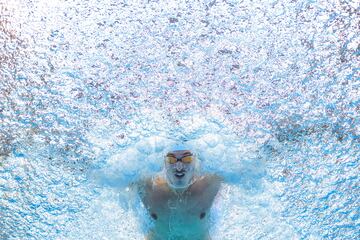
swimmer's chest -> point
(166, 206)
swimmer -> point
(179, 200)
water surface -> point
(92, 93)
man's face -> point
(180, 167)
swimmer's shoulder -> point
(154, 184)
(209, 179)
(155, 192)
(159, 181)
(207, 182)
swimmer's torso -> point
(179, 216)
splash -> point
(91, 96)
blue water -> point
(93, 93)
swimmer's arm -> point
(141, 187)
(232, 177)
(136, 186)
(128, 195)
(208, 186)
(215, 181)
(248, 172)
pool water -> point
(93, 93)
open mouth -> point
(179, 174)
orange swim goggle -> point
(186, 159)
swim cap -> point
(179, 147)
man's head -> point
(180, 168)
